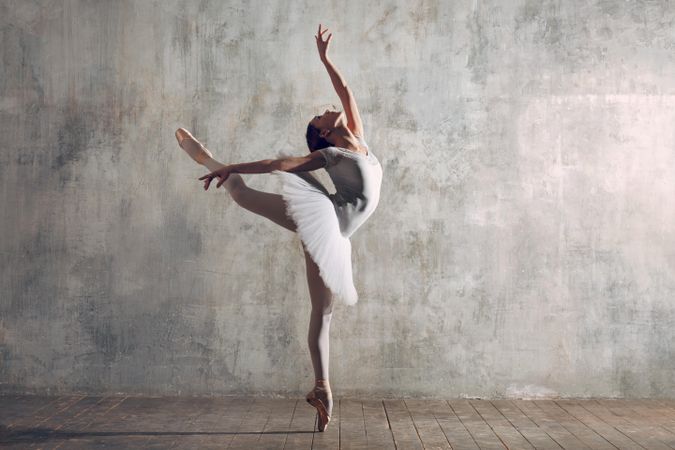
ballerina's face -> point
(329, 119)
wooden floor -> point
(72, 422)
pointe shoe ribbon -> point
(192, 146)
(313, 400)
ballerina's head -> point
(321, 128)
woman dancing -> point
(324, 221)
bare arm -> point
(313, 161)
(346, 98)
(343, 91)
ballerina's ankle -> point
(322, 384)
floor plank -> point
(75, 433)
(455, 432)
(30, 429)
(657, 412)
(303, 425)
(54, 425)
(584, 437)
(16, 408)
(252, 424)
(484, 436)
(278, 423)
(378, 432)
(646, 425)
(402, 426)
(501, 426)
(541, 435)
(217, 425)
(640, 436)
(607, 431)
(352, 425)
(429, 430)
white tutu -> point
(312, 209)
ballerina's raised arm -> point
(340, 84)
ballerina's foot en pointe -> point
(322, 399)
(192, 146)
(202, 155)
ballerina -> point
(324, 221)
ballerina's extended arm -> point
(312, 161)
(341, 88)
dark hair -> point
(314, 141)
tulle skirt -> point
(312, 208)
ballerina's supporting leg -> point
(319, 330)
(266, 204)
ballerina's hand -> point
(221, 173)
(321, 44)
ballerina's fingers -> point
(319, 35)
(208, 178)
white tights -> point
(273, 207)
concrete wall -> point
(524, 244)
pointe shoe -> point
(192, 146)
(322, 409)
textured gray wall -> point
(524, 244)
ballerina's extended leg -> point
(266, 204)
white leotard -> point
(325, 221)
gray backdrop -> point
(524, 242)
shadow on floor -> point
(35, 435)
